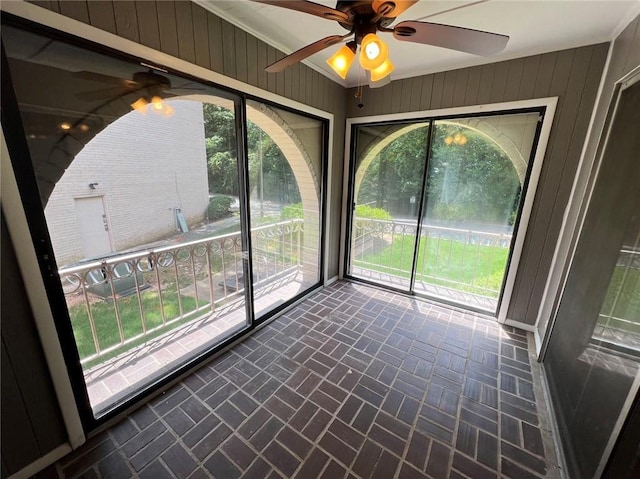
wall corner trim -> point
(519, 325)
(28, 263)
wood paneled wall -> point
(189, 32)
(571, 75)
(31, 420)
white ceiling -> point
(533, 26)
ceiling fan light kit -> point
(363, 18)
(140, 105)
(373, 52)
(158, 106)
(341, 60)
(382, 71)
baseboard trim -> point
(39, 464)
(555, 432)
(519, 325)
(331, 280)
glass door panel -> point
(476, 174)
(389, 166)
(285, 152)
(137, 171)
(592, 361)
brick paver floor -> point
(354, 382)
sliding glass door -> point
(285, 152)
(177, 214)
(389, 165)
(446, 234)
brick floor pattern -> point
(354, 382)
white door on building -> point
(94, 226)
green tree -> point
(221, 148)
(471, 181)
(263, 154)
(395, 175)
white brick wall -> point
(145, 166)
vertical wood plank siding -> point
(31, 420)
(571, 75)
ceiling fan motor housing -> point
(362, 15)
(152, 79)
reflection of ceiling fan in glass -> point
(363, 18)
(150, 87)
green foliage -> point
(395, 175)
(292, 211)
(221, 148)
(471, 182)
(218, 207)
(457, 265)
(223, 172)
(475, 181)
(268, 167)
(370, 212)
(450, 212)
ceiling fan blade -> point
(311, 8)
(102, 94)
(303, 53)
(391, 8)
(183, 91)
(99, 77)
(448, 36)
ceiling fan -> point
(363, 18)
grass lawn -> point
(479, 268)
(107, 328)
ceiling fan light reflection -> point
(156, 101)
(140, 105)
(167, 111)
(373, 52)
(341, 60)
(382, 71)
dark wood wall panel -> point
(571, 75)
(76, 10)
(148, 25)
(32, 423)
(126, 19)
(167, 28)
(201, 36)
(185, 27)
(214, 25)
(101, 13)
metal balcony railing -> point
(449, 257)
(121, 301)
